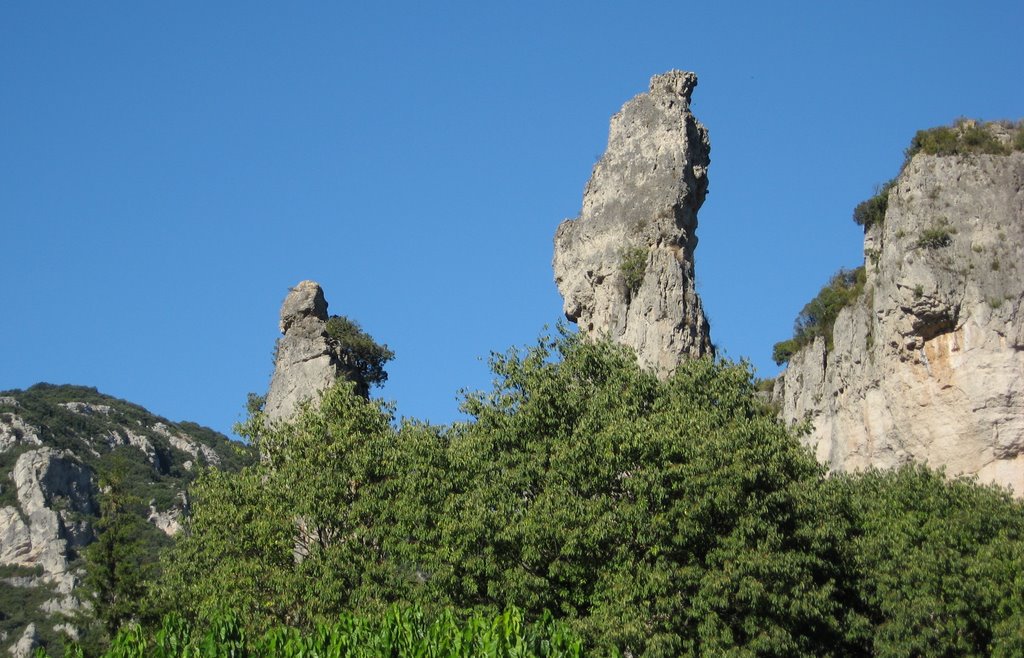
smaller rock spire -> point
(305, 364)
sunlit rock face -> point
(307, 361)
(625, 265)
(928, 365)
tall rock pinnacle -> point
(625, 266)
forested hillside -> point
(68, 454)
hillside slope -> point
(55, 441)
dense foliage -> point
(359, 351)
(939, 564)
(119, 561)
(661, 518)
(400, 633)
(818, 316)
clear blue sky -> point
(168, 170)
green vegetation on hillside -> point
(98, 439)
(964, 137)
(818, 316)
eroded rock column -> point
(625, 265)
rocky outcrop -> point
(928, 364)
(26, 645)
(14, 431)
(54, 493)
(307, 361)
(625, 265)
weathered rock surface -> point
(928, 365)
(625, 265)
(307, 361)
(15, 431)
(26, 644)
(48, 480)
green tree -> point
(658, 518)
(359, 352)
(321, 525)
(818, 317)
(938, 563)
(118, 564)
(663, 518)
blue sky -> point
(168, 170)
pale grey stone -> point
(87, 409)
(15, 431)
(929, 364)
(642, 200)
(26, 644)
(307, 360)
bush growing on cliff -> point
(935, 238)
(963, 137)
(872, 211)
(359, 351)
(818, 316)
(633, 267)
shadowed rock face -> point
(928, 365)
(625, 266)
(307, 361)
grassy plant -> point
(818, 317)
(935, 238)
(872, 211)
(401, 633)
(633, 266)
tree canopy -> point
(654, 518)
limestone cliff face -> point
(625, 266)
(307, 361)
(928, 365)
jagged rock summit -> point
(624, 266)
(307, 361)
(928, 363)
